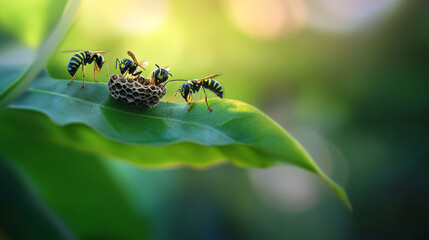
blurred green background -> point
(348, 79)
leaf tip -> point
(338, 190)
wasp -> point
(159, 75)
(193, 86)
(129, 67)
(83, 58)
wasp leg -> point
(83, 77)
(107, 69)
(192, 101)
(71, 80)
(173, 96)
(206, 100)
(95, 80)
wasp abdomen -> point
(75, 62)
(214, 86)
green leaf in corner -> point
(76, 185)
(21, 208)
(234, 131)
(17, 86)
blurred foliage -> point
(22, 207)
(14, 89)
(363, 92)
(28, 21)
(74, 183)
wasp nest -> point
(137, 92)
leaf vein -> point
(130, 113)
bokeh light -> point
(347, 15)
(267, 18)
(286, 188)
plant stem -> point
(43, 55)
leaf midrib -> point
(130, 113)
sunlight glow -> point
(267, 18)
(131, 17)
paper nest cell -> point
(138, 93)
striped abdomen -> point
(75, 62)
(194, 85)
(214, 86)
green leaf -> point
(75, 184)
(234, 131)
(22, 209)
(9, 74)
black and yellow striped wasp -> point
(128, 66)
(159, 75)
(83, 58)
(193, 86)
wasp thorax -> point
(138, 93)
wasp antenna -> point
(117, 61)
(157, 65)
(174, 95)
(142, 67)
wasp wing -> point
(131, 54)
(97, 52)
(69, 51)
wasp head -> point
(160, 75)
(185, 90)
(125, 65)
